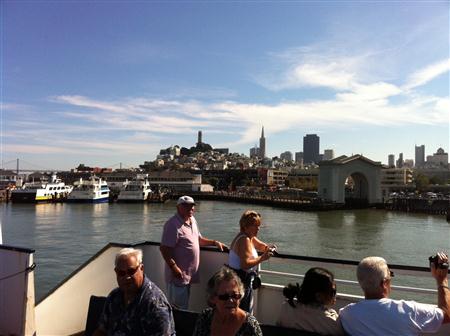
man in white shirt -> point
(378, 315)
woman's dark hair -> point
(317, 280)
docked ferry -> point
(135, 191)
(34, 192)
(93, 190)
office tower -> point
(262, 145)
(400, 161)
(391, 161)
(328, 154)
(420, 156)
(286, 156)
(299, 157)
(311, 148)
(199, 138)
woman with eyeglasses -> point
(225, 291)
(307, 307)
(243, 257)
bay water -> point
(65, 235)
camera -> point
(434, 259)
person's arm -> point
(244, 251)
(259, 244)
(210, 242)
(167, 254)
(441, 276)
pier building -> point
(364, 174)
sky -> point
(109, 82)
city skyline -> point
(107, 82)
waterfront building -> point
(270, 176)
(420, 156)
(286, 156)
(328, 154)
(311, 148)
(396, 179)
(178, 181)
(306, 179)
(364, 173)
(262, 145)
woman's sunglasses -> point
(226, 297)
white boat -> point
(63, 311)
(34, 192)
(93, 190)
(135, 191)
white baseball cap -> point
(185, 200)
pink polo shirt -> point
(183, 238)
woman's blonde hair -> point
(249, 218)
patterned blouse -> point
(203, 326)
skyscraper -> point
(400, 161)
(391, 161)
(311, 148)
(420, 156)
(262, 145)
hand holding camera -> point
(439, 260)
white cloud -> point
(427, 74)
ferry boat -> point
(135, 191)
(64, 310)
(94, 190)
(34, 192)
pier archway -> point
(352, 180)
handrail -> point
(353, 283)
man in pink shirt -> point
(180, 248)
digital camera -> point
(434, 259)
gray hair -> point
(371, 272)
(224, 274)
(129, 252)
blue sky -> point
(103, 82)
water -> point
(65, 235)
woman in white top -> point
(308, 306)
(243, 257)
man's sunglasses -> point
(129, 272)
(226, 297)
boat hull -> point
(31, 197)
(88, 200)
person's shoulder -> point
(252, 320)
(251, 326)
(151, 291)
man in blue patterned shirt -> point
(137, 306)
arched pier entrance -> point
(353, 180)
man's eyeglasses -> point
(227, 296)
(129, 272)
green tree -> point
(422, 182)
